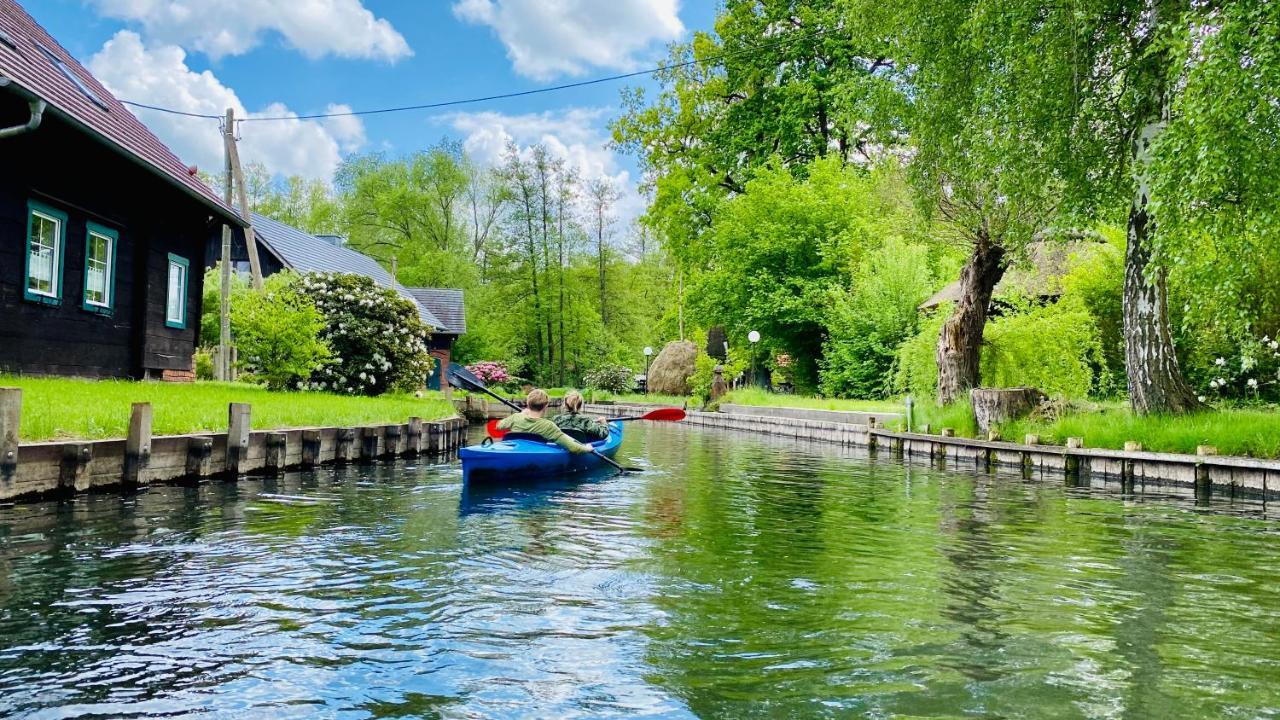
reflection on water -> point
(736, 578)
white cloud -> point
(546, 38)
(232, 27)
(577, 135)
(160, 76)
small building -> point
(1038, 276)
(282, 246)
(102, 227)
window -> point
(46, 230)
(99, 269)
(175, 307)
(74, 78)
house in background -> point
(447, 305)
(1037, 276)
(282, 246)
(102, 227)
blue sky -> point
(285, 57)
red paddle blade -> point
(494, 432)
(665, 415)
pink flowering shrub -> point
(491, 372)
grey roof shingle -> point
(445, 304)
(307, 253)
(32, 69)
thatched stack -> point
(670, 372)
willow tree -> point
(1159, 114)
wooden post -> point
(368, 444)
(948, 432)
(199, 452)
(137, 453)
(277, 446)
(10, 424)
(1203, 482)
(434, 431)
(1072, 462)
(310, 448)
(414, 444)
(74, 473)
(224, 335)
(344, 442)
(391, 435)
(237, 436)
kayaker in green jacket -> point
(530, 420)
(594, 428)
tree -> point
(601, 197)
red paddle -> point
(659, 415)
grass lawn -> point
(66, 408)
(1250, 433)
(756, 396)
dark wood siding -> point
(70, 172)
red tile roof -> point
(30, 69)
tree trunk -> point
(992, 406)
(960, 343)
(1155, 380)
(1156, 384)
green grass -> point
(65, 408)
(957, 416)
(1252, 433)
(756, 396)
(642, 399)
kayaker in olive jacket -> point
(594, 428)
(530, 420)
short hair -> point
(537, 399)
(573, 401)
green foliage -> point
(781, 250)
(704, 372)
(1096, 280)
(211, 304)
(916, 366)
(868, 322)
(55, 408)
(379, 343)
(204, 365)
(1054, 348)
(958, 416)
(1253, 433)
(611, 378)
(277, 333)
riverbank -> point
(74, 409)
(1251, 433)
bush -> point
(611, 378)
(1054, 348)
(204, 364)
(491, 372)
(277, 333)
(868, 323)
(379, 343)
(1251, 373)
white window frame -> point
(108, 272)
(176, 320)
(54, 294)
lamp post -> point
(648, 353)
(754, 337)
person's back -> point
(575, 420)
(530, 421)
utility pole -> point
(250, 239)
(224, 338)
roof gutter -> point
(229, 217)
(38, 107)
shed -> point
(1038, 276)
(446, 304)
(101, 225)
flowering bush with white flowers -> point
(491, 372)
(1252, 374)
(379, 342)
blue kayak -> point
(525, 457)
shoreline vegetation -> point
(81, 409)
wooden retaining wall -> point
(1207, 473)
(33, 470)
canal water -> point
(737, 577)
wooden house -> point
(282, 246)
(102, 227)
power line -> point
(490, 98)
